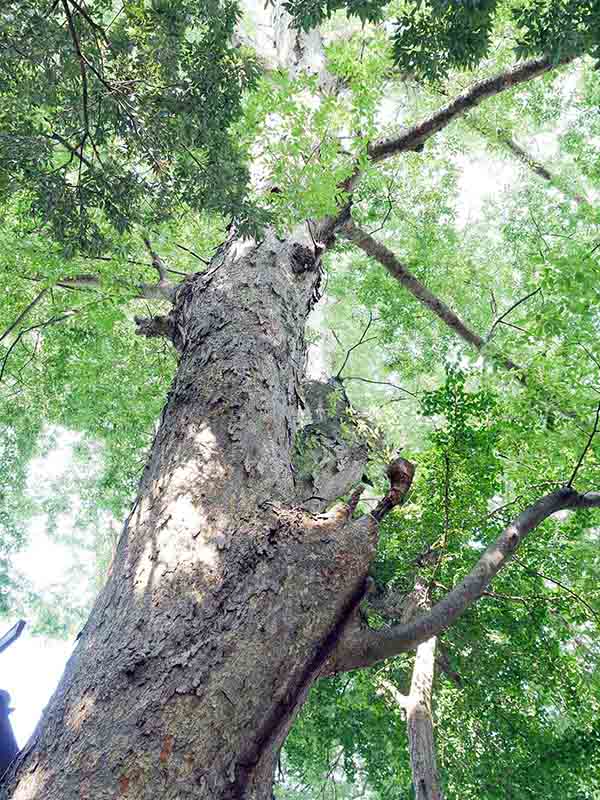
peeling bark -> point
(330, 456)
(175, 688)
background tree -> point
(176, 687)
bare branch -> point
(163, 290)
(155, 327)
(586, 448)
(354, 346)
(157, 262)
(23, 314)
(502, 317)
(379, 383)
(386, 258)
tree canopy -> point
(432, 37)
(460, 315)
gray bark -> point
(419, 724)
(417, 703)
(225, 598)
(361, 646)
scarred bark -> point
(225, 598)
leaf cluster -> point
(433, 37)
(115, 115)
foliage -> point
(432, 37)
(115, 116)
(521, 675)
(478, 227)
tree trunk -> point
(420, 725)
(225, 598)
(417, 703)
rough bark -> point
(225, 598)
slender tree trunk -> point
(417, 703)
(419, 724)
(225, 598)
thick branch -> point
(363, 647)
(413, 138)
(386, 258)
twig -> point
(74, 150)
(191, 252)
(512, 308)
(358, 344)
(133, 261)
(559, 584)
(379, 383)
(89, 20)
(51, 321)
(590, 355)
(586, 448)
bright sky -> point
(31, 667)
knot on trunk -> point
(302, 259)
(330, 452)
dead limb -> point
(401, 473)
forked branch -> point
(363, 647)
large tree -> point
(243, 574)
